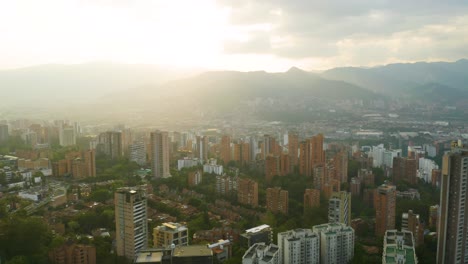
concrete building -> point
(170, 233)
(452, 226)
(226, 185)
(311, 155)
(225, 149)
(71, 253)
(293, 150)
(355, 186)
(336, 243)
(247, 192)
(411, 222)
(399, 248)
(339, 208)
(384, 204)
(311, 198)
(194, 178)
(212, 167)
(110, 144)
(299, 246)
(67, 136)
(159, 149)
(137, 152)
(198, 254)
(202, 148)
(188, 163)
(261, 253)
(277, 200)
(405, 169)
(272, 167)
(259, 234)
(3, 133)
(130, 220)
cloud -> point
(361, 32)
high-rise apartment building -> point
(355, 186)
(277, 200)
(411, 222)
(340, 164)
(311, 198)
(67, 136)
(272, 169)
(293, 149)
(3, 133)
(261, 253)
(339, 208)
(159, 149)
(399, 248)
(137, 152)
(242, 153)
(168, 234)
(311, 155)
(90, 162)
(226, 185)
(384, 204)
(202, 148)
(299, 246)
(404, 169)
(225, 149)
(453, 221)
(336, 243)
(247, 192)
(131, 226)
(110, 144)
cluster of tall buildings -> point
(326, 243)
(170, 240)
(77, 164)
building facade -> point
(130, 220)
(299, 246)
(453, 221)
(384, 204)
(277, 200)
(169, 234)
(339, 208)
(159, 149)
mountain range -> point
(132, 85)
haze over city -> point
(248, 131)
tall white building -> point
(260, 253)
(336, 243)
(425, 169)
(188, 163)
(131, 220)
(159, 144)
(211, 167)
(381, 156)
(339, 208)
(299, 246)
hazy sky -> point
(239, 34)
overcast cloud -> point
(365, 32)
(239, 34)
